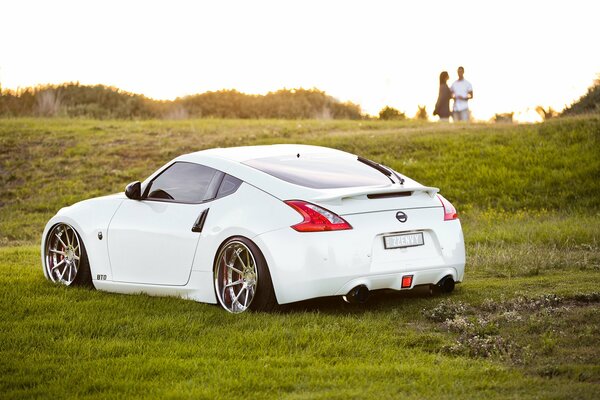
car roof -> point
(245, 153)
(232, 160)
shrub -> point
(390, 113)
(422, 113)
(504, 118)
(550, 113)
(588, 103)
(99, 101)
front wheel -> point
(242, 278)
(65, 258)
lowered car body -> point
(253, 227)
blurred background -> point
(517, 55)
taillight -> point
(316, 219)
(449, 210)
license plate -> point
(404, 240)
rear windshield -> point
(316, 172)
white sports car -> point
(253, 227)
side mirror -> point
(134, 190)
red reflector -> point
(407, 281)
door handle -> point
(199, 224)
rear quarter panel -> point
(248, 212)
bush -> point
(588, 103)
(504, 118)
(74, 100)
(390, 113)
(422, 113)
(546, 114)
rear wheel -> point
(242, 278)
(66, 260)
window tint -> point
(320, 172)
(229, 185)
(185, 182)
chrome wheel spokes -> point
(63, 253)
(236, 277)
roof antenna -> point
(298, 155)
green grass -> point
(524, 324)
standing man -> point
(462, 91)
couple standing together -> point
(460, 91)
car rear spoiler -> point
(339, 195)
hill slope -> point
(47, 164)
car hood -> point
(110, 201)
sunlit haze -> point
(516, 54)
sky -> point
(516, 54)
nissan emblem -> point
(401, 216)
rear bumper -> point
(318, 264)
(288, 291)
(394, 281)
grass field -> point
(524, 324)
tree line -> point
(104, 102)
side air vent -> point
(388, 195)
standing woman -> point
(442, 106)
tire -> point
(242, 279)
(65, 258)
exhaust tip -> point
(446, 285)
(357, 295)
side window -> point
(229, 185)
(185, 182)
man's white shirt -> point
(462, 89)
